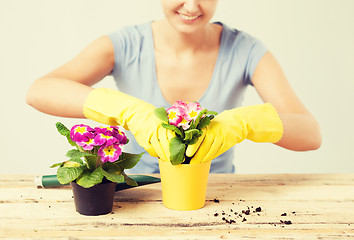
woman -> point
(182, 57)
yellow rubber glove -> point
(113, 107)
(258, 123)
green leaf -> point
(57, 165)
(72, 163)
(189, 134)
(65, 132)
(161, 114)
(192, 125)
(112, 176)
(62, 129)
(71, 142)
(77, 154)
(204, 122)
(177, 149)
(68, 174)
(211, 113)
(78, 160)
(129, 160)
(89, 179)
(195, 138)
(129, 181)
(211, 117)
(200, 115)
(91, 161)
(172, 127)
(112, 168)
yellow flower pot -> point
(184, 186)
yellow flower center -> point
(193, 114)
(105, 136)
(80, 129)
(184, 121)
(172, 115)
(109, 151)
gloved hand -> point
(258, 123)
(113, 107)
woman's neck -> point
(168, 38)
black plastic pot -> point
(96, 200)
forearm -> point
(301, 132)
(59, 97)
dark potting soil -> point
(233, 216)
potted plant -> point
(184, 182)
(94, 166)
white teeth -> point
(189, 18)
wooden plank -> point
(318, 206)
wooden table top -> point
(280, 206)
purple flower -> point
(104, 130)
(110, 153)
(109, 138)
(81, 133)
(110, 134)
(102, 139)
(120, 136)
(87, 145)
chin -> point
(188, 27)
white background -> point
(312, 39)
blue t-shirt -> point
(135, 74)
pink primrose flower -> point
(81, 133)
(102, 139)
(120, 136)
(182, 113)
(180, 104)
(111, 131)
(184, 124)
(104, 130)
(175, 115)
(192, 111)
(88, 145)
(110, 153)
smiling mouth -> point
(188, 18)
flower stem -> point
(98, 159)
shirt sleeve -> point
(125, 42)
(250, 52)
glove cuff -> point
(264, 124)
(113, 107)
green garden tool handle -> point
(49, 181)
